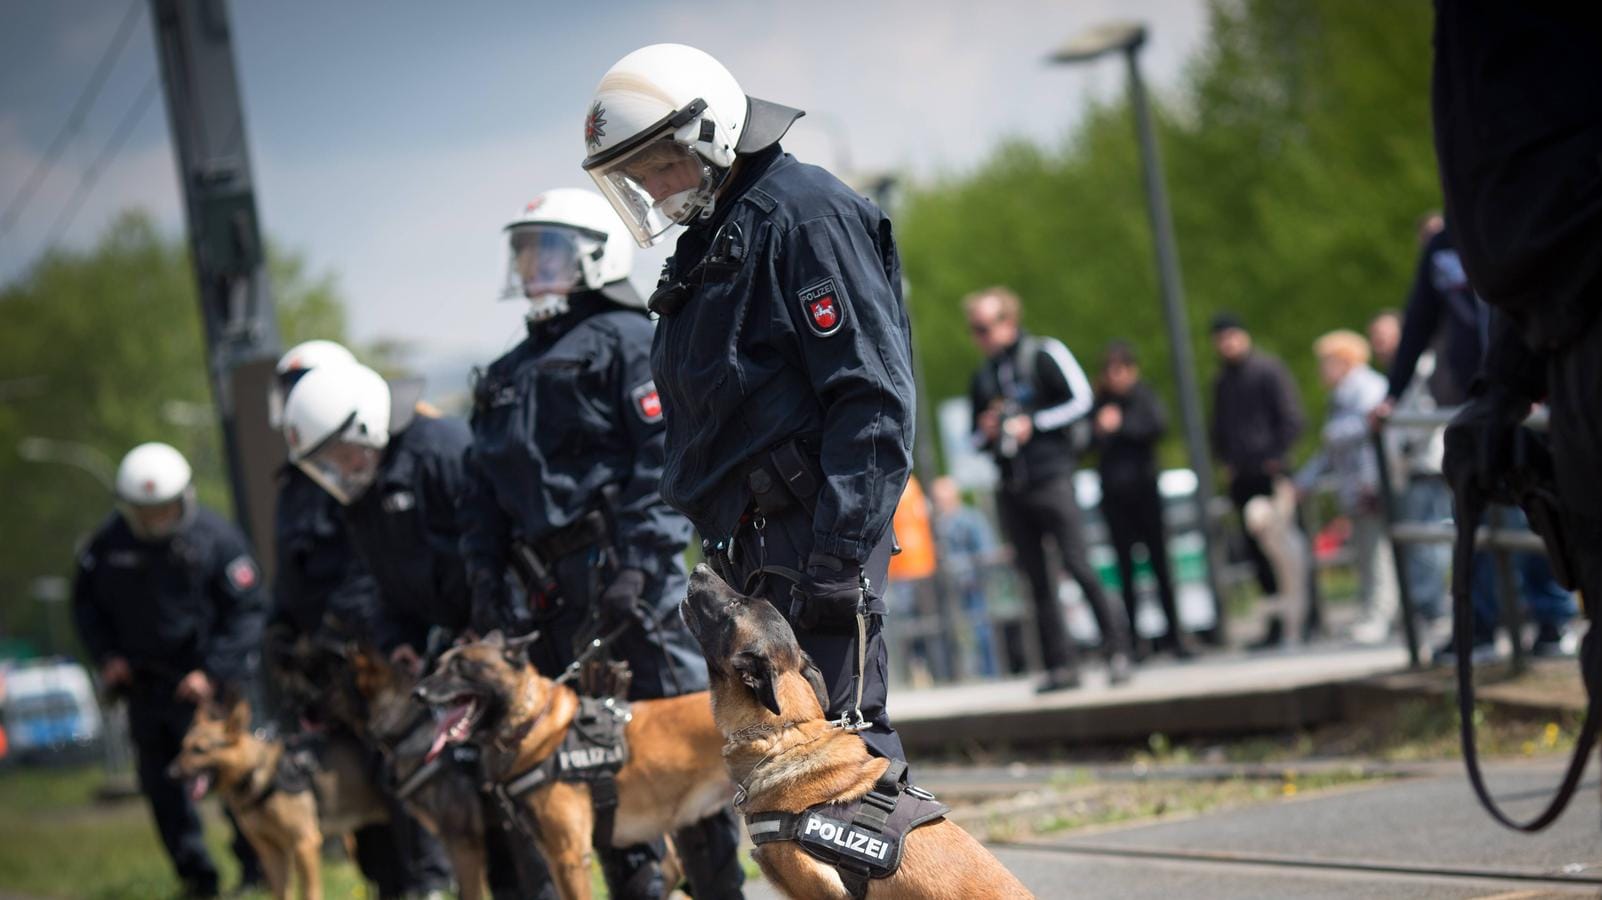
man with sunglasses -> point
(1031, 401)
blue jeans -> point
(1545, 601)
(973, 606)
(1424, 566)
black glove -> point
(829, 596)
(622, 599)
(496, 607)
(1481, 443)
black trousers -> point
(400, 856)
(1574, 379)
(1134, 515)
(157, 723)
(786, 541)
(1242, 488)
(1049, 513)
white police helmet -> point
(155, 491)
(295, 362)
(336, 423)
(563, 242)
(664, 126)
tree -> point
(1298, 158)
(106, 349)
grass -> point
(56, 840)
(1120, 802)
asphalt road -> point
(1415, 838)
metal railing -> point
(1493, 536)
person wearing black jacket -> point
(1257, 418)
(1129, 421)
(322, 597)
(563, 476)
(169, 605)
(1518, 135)
(398, 476)
(783, 354)
(1028, 397)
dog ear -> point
(239, 716)
(516, 652)
(756, 673)
(495, 639)
(814, 677)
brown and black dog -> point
(286, 828)
(447, 800)
(488, 693)
(768, 701)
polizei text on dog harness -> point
(826, 832)
(863, 839)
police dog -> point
(285, 826)
(446, 799)
(486, 692)
(768, 700)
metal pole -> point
(1388, 506)
(1173, 296)
(240, 326)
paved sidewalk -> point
(1223, 693)
(1415, 838)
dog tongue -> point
(442, 729)
(199, 786)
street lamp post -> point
(1127, 38)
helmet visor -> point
(654, 187)
(543, 259)
(342, 468)
(158, 521)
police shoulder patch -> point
(823, 307)
(242, 573)
(647, 403)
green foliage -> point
(104, 348)
(1297, 155)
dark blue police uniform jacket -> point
(795, 326)
(782, 320)
(569, 413)
(319, 575)
(405, 528)
(193, 601)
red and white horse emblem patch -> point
(647, 403)
(824, 307)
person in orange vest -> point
(910, 568)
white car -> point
(49, 708)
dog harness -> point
(862, 839)
(593, 751)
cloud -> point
(141, 177)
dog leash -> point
(1469, 514)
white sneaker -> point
(1371, 631)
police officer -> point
(783, 355)
(398, 477)
(323, 592)
(168, 602)
(563, 489)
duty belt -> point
(863, 839)
(533, 561)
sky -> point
(391, 141)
